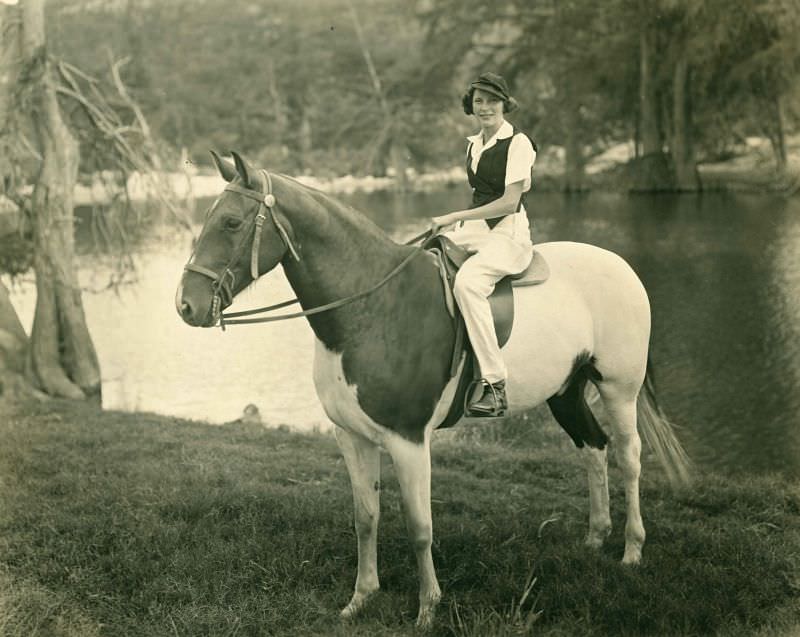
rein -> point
(225, 319)
(223, 284)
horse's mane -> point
(342, 211)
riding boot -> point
(492, 402)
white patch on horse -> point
(340, 399)
(412, 463)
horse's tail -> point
(659, 433)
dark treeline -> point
(362, 86)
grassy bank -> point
(135, 524)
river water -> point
(722, 272)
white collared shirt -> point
(519, 163)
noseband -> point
(222, 287)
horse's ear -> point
(242, 168)
(225, 168)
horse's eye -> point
(232, 223)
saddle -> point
(449, 257)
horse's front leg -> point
(412, 462)
(363, 461)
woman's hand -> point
(442, 223)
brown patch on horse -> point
(396, 343)
(401, 364)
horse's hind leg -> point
(572, 412)
(620, 404)
(599, 509)
(412, 463)
(363, 461)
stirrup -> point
(500, 406)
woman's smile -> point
(488, 108)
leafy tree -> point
(288, 83)
(758, 66)
(283, 82)
(681, 76)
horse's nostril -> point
(186, 310)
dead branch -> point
(108, 123)
(373, 73)
(140, 118)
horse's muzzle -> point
(197, 316)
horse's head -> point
(242, 237)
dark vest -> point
(489, 182)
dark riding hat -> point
(491, 83)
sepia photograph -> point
(377, 318)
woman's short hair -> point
(509, 104)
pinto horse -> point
(384, 346)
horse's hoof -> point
(632, 557)
(348, 612)
(356, 604)
(596, 538)
(425, 619)
(427, 611)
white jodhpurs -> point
(497, 255)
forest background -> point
(333, 87)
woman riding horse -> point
(384, 342)
(495, 227)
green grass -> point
(136, 524)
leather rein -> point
(222, 286)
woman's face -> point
(488, 108)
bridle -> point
(222, 287)
(223, 283)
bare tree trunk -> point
(648, 105)
(681, 148)
(62, 356)
(574, 160)
(13, 340)
(777, 136)
(399, 158)
(397, 154)
(9, 70)
(305, 138)
(650, 171)
(278, 107)
(14, 387)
